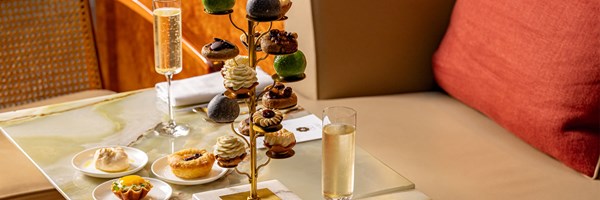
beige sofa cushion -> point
(453, 152)
(20, 179)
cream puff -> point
(280, 142)
(111, 159)
(229, 151)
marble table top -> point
(50, 136)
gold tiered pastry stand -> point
(251, 99)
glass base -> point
(338, 198)
(171, 129)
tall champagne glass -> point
(167, 55)
(339, 130)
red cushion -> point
(533, 66)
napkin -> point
(201, 89)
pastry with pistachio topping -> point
(132, 187)
(191, 163)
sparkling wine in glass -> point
(339, 131)
(167, 55)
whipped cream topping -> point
(282, 137)
(111, 159)
(238, 73)
(229, 147)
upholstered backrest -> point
(368, 47)
(46, 50)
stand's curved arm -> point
(237, 27)
(264, 164)
(243, 173)
(240, 135)
(264, 33)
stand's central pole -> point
(252, 106)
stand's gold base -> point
(264, 194)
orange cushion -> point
(533, 66)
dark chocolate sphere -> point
(263, 9)
(222, 109)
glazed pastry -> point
(290, 65)
(279, 97)
(264, 10)
(245, 41)
(285, 7)
(111, 159)
(267, 120)
(229, 151)
(239, 77)
(280, 142)
(218, 6)
(191, 163)
(219, 50)
(132, 187)
(279, 42)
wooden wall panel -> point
(125, 41)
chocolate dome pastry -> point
(263, 10)
(220, 50)
(222, 109)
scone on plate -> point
(111, 159)
(132, 187)
(191, 163)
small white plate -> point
(84, 162)
(162, 170)
(160, 190)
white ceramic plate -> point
(84, 162)
(160, 190)
(162, 170)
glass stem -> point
(171, 120)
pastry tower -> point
(240, 77)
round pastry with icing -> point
(239, 77)
(280, 142)
(132, 187)
(220, 50)
(191, 163)
(278, 42)
(111, 159)
(267, 120)
(229, 151)
(279, 97)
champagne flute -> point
(167, 55)
(339, 130)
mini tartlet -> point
(278, 42)
(220, 50)
(111, 159)
(267, 120)
(132, 187)
(239, 77)
(280, 142)
(191, 163)
(229, 151)
(279, 97)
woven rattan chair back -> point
(46, 49)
